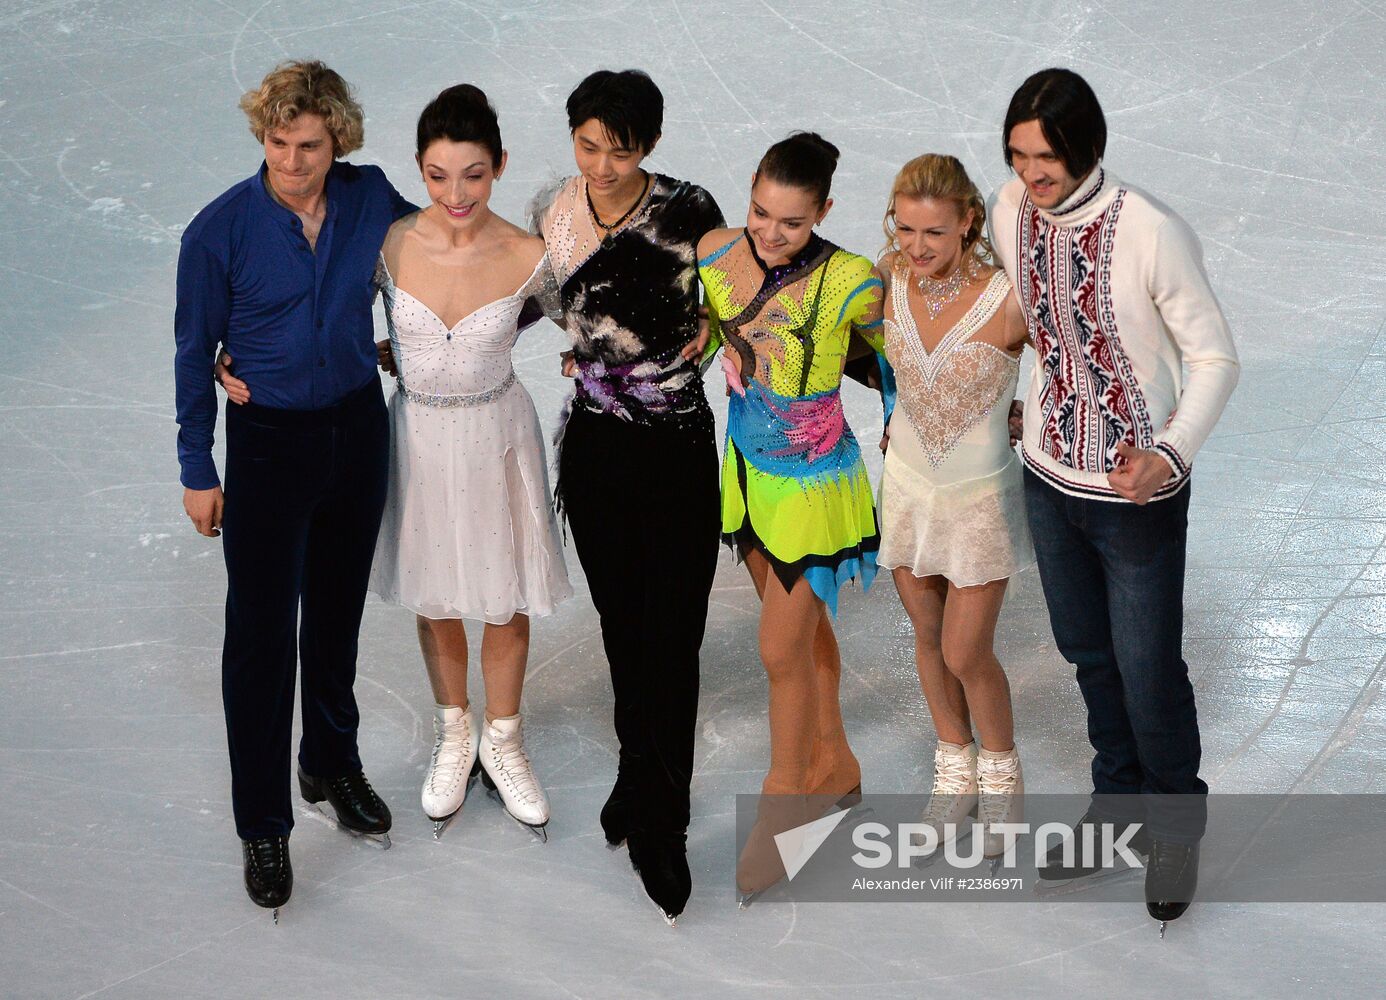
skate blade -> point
(538, 831)
(318, 810)
(275, 917)
(380, 840)
(1066, 887)
(995, 861)
(745, 899)
(1162, 929)
(439, 825)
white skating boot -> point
(954, 795)
(449, 770)
(1001, 787)
(506, 772)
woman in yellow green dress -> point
(796, 500)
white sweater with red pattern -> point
(1118, 305)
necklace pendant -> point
(937, 293)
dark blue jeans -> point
(1113, 577)
(304, 495)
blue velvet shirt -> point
(297, 322)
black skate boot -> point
(1171, 878)
(269, 878)
(360, 812)
(616, 815)
(661, 861)
(1058, 876)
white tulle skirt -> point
(970, 531)
(469, 529)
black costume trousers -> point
(642, 507)
(304, 493)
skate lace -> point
(452, 745)
(952, 774)
(952, 777)
(997, 780)
(269, 854)
(511, 761)
(356, 792)
(1168, 861)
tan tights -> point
(962, 680)
(808, 747)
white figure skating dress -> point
(952, 496)
(469, 529)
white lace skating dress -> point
(952, 496)
(469, 529)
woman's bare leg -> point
(443, 643)
(504, 654)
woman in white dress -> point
(952, 501)
(469, 529)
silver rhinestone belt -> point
(462, 399)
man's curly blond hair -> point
(306, 86)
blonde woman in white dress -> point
(952, 501)
(469, 529)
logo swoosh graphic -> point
(798, 844)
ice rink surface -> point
(1263, 123)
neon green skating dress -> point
(793, 482)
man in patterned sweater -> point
(1118, 305)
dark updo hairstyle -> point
(461, 114)
(802, 160)
(1069, 116)
(628, 104)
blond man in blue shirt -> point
(277, 270)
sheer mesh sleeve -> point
(539, 205)
(381, 279)
(543, 290)
(714, 337)
(866, 307)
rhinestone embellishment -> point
(461, 399)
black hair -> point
(1068, 113)
(461, 114)
(803, 160)
(628, 104)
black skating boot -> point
(269, 878)
(1055, 871)
(661, 861)
(1171, 878)
(359, 810)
